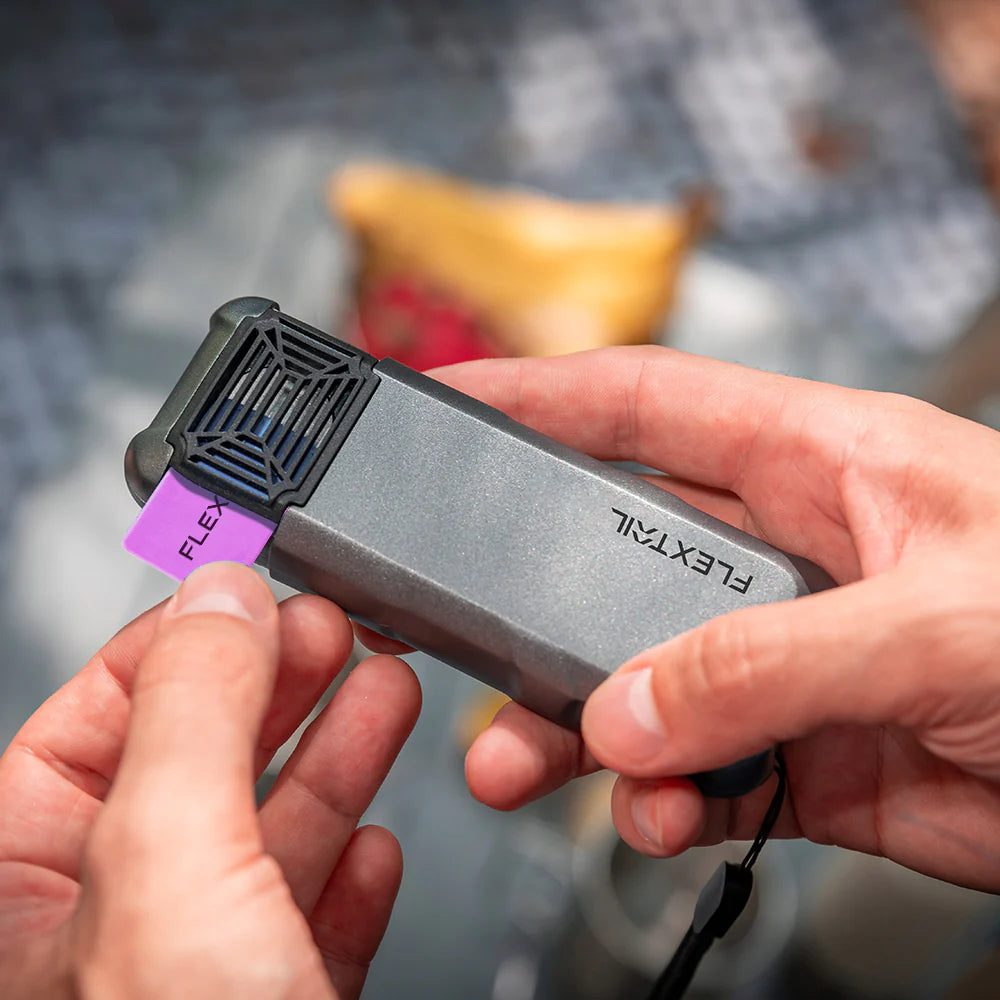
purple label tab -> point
(183, 527)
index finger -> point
(690, 416)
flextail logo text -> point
(695, 559)
(207, 523)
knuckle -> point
(908, 440)
(897, 405)
(953, 634)
(897, 427)
(725, 663)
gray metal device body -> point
(535, 568)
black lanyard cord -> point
(721, 901)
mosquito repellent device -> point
(433, 518)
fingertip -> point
(352, 912)
(502, 770)
(316, 635)
(658, 818)
(622, 724)
(521, 757)
(218, 631)
(393, 675)
(223, 588)
(382, 694)
(312, 607)
(377, 859)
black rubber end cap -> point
(737, 779)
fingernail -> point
(646, 816)
(622, 721)
(223, 588)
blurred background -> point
(807, 186)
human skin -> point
(134, 861)
(884, 692)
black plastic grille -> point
(272, 412)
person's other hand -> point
(885, 691)
(134, 861)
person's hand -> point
(133, 859)
(885, 692)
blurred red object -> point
(407, 320)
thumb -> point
(198, 701)
(748, 680)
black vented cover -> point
(271, 413)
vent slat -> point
(257, 408)
(227, 460)
(280, 415)
(254, 357)
(247, 393)
(323, 421)
(314, 361)
(293, 422)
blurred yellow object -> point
(540, 275)
(588, 819)
(476, 715)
